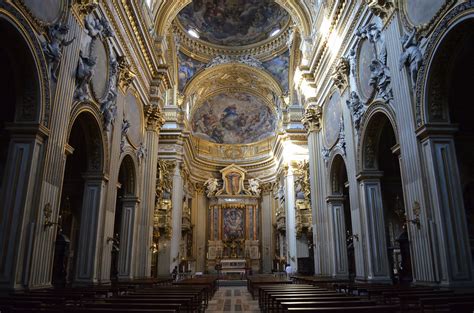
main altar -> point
(233, 245)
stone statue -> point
(125, 127)
(84, 73)
(141, 152)
(352, 61)
(211, 185)
(370, 31)
(357, 109)
(380, 79)
(411, 56)
(53, 49)
(98, 27)
(109, 109)
(325, 154)
(254, 186)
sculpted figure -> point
(53, 49)
(97, 27)
(211, 185)
(109, 109)
(357, 109)
(380, 79)
(254, 186)
(84, 73)
(141, 152)
(411, 56)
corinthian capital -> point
(312, 118)
(341, 74)
(154, 118)
(381, 8)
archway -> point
(124, 222)
(339, 201)
(22, 141)
(80, 203)
(383, 199)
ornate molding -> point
(125, 73)
(381, 8)
(312, 118)
(340, 74)
(154, 118)
(82, 8)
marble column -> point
(199, 240)
(17, 200)
(447, 219)
(154, 122)
(372, 211)
(290, 204)
(89, 241)
(176, 216)
(267, 228)
(128, 231)
(317, 171)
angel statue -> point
(211, 185)
(53, 49)
(411, 56)
(254, 186)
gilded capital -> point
(312, 118)
(381, 8)
(154, 118)
(125, 75)
(340, 75)
(82, 8)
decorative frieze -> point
(312, 118)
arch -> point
(170, 9)
(336, 168)
(35, 91)
(371, 127)
(127, 176)
(95, 125)
(431, 100)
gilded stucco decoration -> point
(312, 118)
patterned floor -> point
(232, 299)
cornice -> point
(205, 51)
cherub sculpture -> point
(254, 186)
(211, 185)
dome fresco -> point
(233, 22)
(233, 118)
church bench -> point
(361, 309)
(414, 295)
(119, 310)
(324, 304)
(461, 307)
(135, 306)
(199, 294)
(268, 296)
(276, 302)
(441, 303)
(188, 303)
(264, 290)
(253, 282)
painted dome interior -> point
(233, 22)
(233, 118)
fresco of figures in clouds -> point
(233, 118)
(187, 67)
(278, 67)
(233, 22)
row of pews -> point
(316, 294)
(141, 296)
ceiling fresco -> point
(278, 67)
(233, 22)
(187, 67)
(233, 118)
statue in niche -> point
(53, 49)
(411, 55)
(211, 185)
(84, 73)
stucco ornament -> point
(141, 153)
(352, 61)
(381, 8)
(245, 59)
(341, 143)
(357, 109)
(212, 185)
(411, 56)
(98, 27)
(84, 73)
(53, 49)
(254, 186)
(341, 73)
(325, 154)
(125, 128)
(109, 109)
(312, 118)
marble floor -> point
(232, 299)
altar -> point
(233, 225)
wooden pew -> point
(361, 309)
